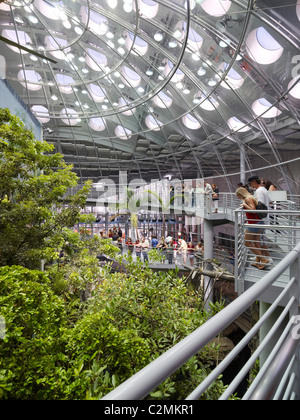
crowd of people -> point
(191, 197)
(169, 247)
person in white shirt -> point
(183, 247)
(145, 246)
(208, 191)
(261, 194)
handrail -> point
(143, 382)
(238, 348)
(268, 382)
(280, 234)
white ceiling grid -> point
(157, 87)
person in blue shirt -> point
(154, 242)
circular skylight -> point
(162, 100)
(262, 47)
(195, 40)
(123, 133)
(58, 47)
(97, 93)
(65, 83)
(30, 79)
(94, 21)
(237, 125)
(233, 79)
(123, 104)
(216, 8)
(95, 60)
(207, 103)
(130, 77)
(136, 44)
(19, 37)
(148, 8)
(97, 124)
(294, 87)
(191, 122)
(152, 123)
(41, 113)
(264, 109)
(178, 76)
(69, 116)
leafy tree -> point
(33, 184)
(32, 348)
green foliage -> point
(162, 310)
(78, 330)
(33, 183)
(34, 319)
(52, 352)
(78, 271)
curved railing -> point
(283, 358)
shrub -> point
(34, 319)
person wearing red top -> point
(130, 245)
(254, 228)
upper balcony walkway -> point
(281, 234)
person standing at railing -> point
(183, 247)
(163, 247)
(261, 194)
(254, 228)
(191, 196)
(138, 249)
(208, 191)
(191, 253)
(170, 251)
(145, 247)
(175, 248)
(199, 195)
(120, 245)
(215, 197)
(154, 242)
(200, 247)
(130, 245)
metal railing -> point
(280, 234)
(279, 375)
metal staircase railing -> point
(279, 375)
(281, 233)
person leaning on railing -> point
(254, 228)
(162, 246)
(130, 245)
(145, 246)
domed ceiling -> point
(181, 87)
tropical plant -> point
(33, 186)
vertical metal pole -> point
(106, 221)
(208, 255)
(238, 288)
(295, 311)
(243, 163)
